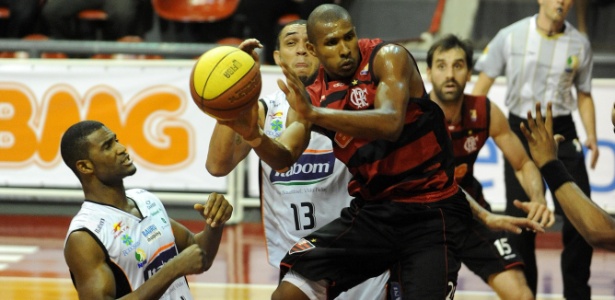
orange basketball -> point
(224, 81)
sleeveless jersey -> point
(418, 167)
(309, 195)
(469, 136)
(135, 248)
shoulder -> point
(577, 36)
(519, 25)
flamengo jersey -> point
(309, 195)
(538, 67)
(469, 136)
(418, 167)
(135, 248)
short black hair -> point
(295, 22)
(74, 146)
(325, 13)
(449, 42)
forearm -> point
(482, 85)
(592, 222)
(209, 241)
(368, 124)
(156, 285)
(478, 211)
(587, 112)
(226, 150)
(531, 181)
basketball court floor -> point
(32, 265)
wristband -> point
(555, 174)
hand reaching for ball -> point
(248, 46)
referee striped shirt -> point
(539, 68)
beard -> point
(448, 96)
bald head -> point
(325, 13)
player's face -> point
(111, 163)
(293, 52)
(448, 74)
(555, 10)
(337, 48)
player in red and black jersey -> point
(471, 121)
(369, 98)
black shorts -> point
(487, 252)
(369, 238)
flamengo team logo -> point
(358, 98)
(470, 144)
(309, 169)
(302, 245)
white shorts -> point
(371, 289)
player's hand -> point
(296, 94)
(539, 135)
(216, 211)
(190, 261)
(248, 46)
(515, 225)
(246, 124)
(538, 212)
(592, 145)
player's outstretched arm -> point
(592, 222)
(525, 170)
(497, 222)
(227, 148)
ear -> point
(428, 73)
(469, 76)
(310, 48)
(276, 57)
(85, 166)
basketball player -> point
(293, 203)
(592, 222)
(543, 57)
(369, 99)
(471, 121)
(119, 241)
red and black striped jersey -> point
(418, 167)
(469, 136)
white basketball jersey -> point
(139, 247)
(309, 195)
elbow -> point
(217, 170)
(599, 242)
(600, 239)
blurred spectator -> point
(22, 19)
(124, 17)
(261, 18)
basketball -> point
(224, 81)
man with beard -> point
(471, 121)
